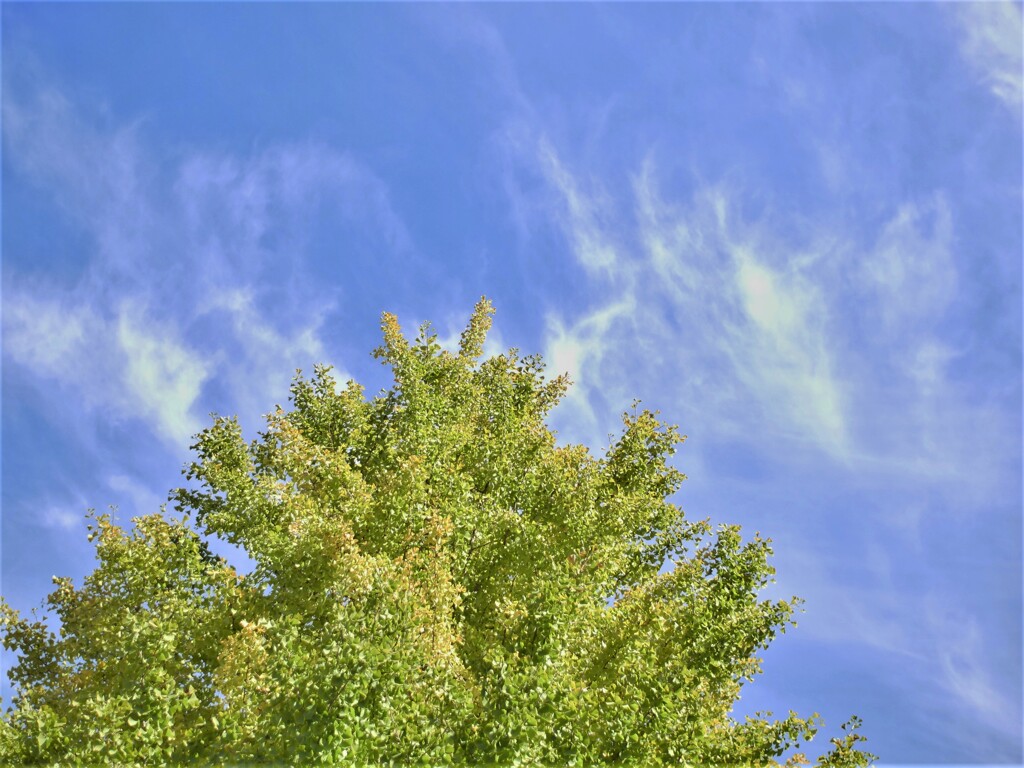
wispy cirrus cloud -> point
(46, 334)
(945, 649)
(784, 352)
(588, 349)
(822, 337)
(270, 354)
(189, 292)
(579, 215)
(751, 308)
(910, 270)
(967, 675)
(194, 277)
(693, 295)
(118, 362)
(991, 46)
(162, 375)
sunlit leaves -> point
(436, 581)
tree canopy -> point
(436, 580)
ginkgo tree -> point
(436, 580)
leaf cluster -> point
(436, 581)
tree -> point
(436, 581)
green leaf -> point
(435, 580)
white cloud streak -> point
(991, 45)
(911, 269)
(811, 338)
(186, 258)
(965, 674)
(583, 350)
(579, 217)
(269, 356)
(754, 322)
(118, 362)
(586, 347)
(946, 646)
(162, 375)
(45, 334)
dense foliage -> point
(436, 581)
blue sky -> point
(795, 229)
